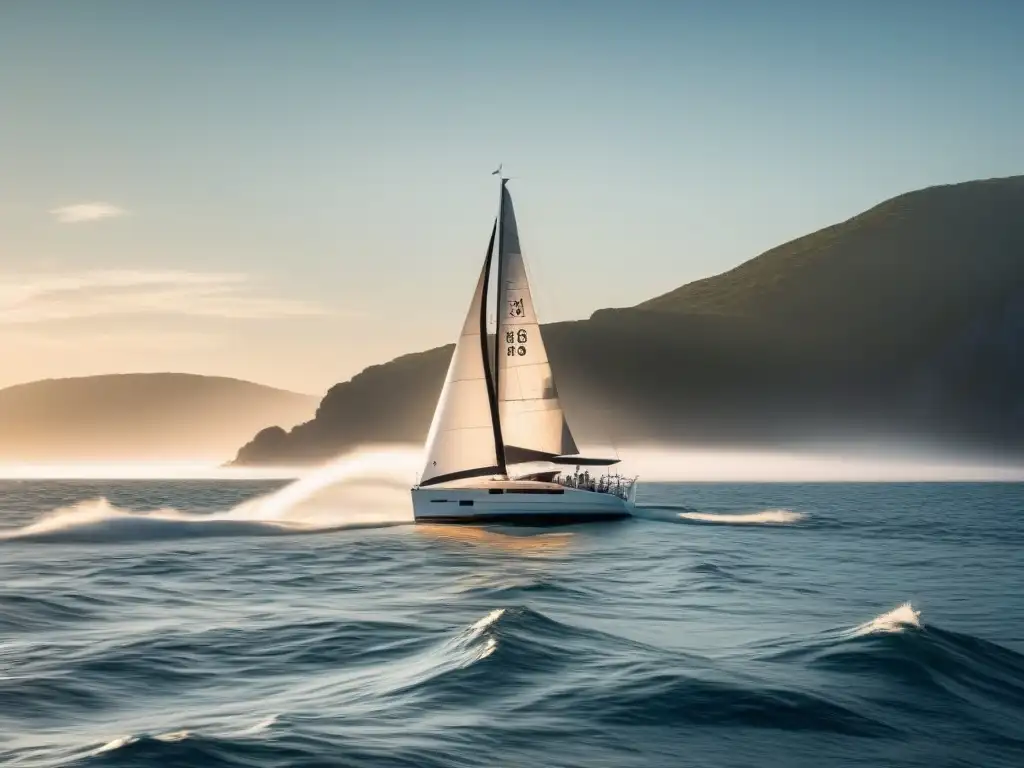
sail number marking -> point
(514, 338)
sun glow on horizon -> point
(650, 463)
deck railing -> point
(615, 484)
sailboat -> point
(499, 416)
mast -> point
(492, 380)
(499, 295)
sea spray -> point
(898, 619)
(357, 488)
(361, 489)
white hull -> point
(526, 502)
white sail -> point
(532, 421)
(461, 439)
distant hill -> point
(906, 321)
(139, 416)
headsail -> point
(463, 440)
(533, 424)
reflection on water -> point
(534, 543)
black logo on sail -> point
(513, 336)
(515, 308)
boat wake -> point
(98, 520)
(666, 513)
(367, 489)
(764, 517)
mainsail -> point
(464, 438)
(533, 423)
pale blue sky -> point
(305, 185)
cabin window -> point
(439, 501)
(496, 490)
(464, 503)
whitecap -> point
(898, 619)
(121, 741)
(173, 736)
(262, 725)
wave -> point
(41, 611)
(620, 682)
(897, 620)
(602, 679)
(539, 671)
(902, 618)
(124, 741)
(721, 575)
(898, 649)
(184, 747)
(360, 490)
(180, 735)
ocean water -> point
(211, 623)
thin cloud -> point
(41, 298)
(82, 212)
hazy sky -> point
(289, 191)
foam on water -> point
(262, 725)
(361, 489)
(897, 620)
(121, 741)
(173, 736)
(480, 628)
(473, 643)
(764, 517)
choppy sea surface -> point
(208, 623)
